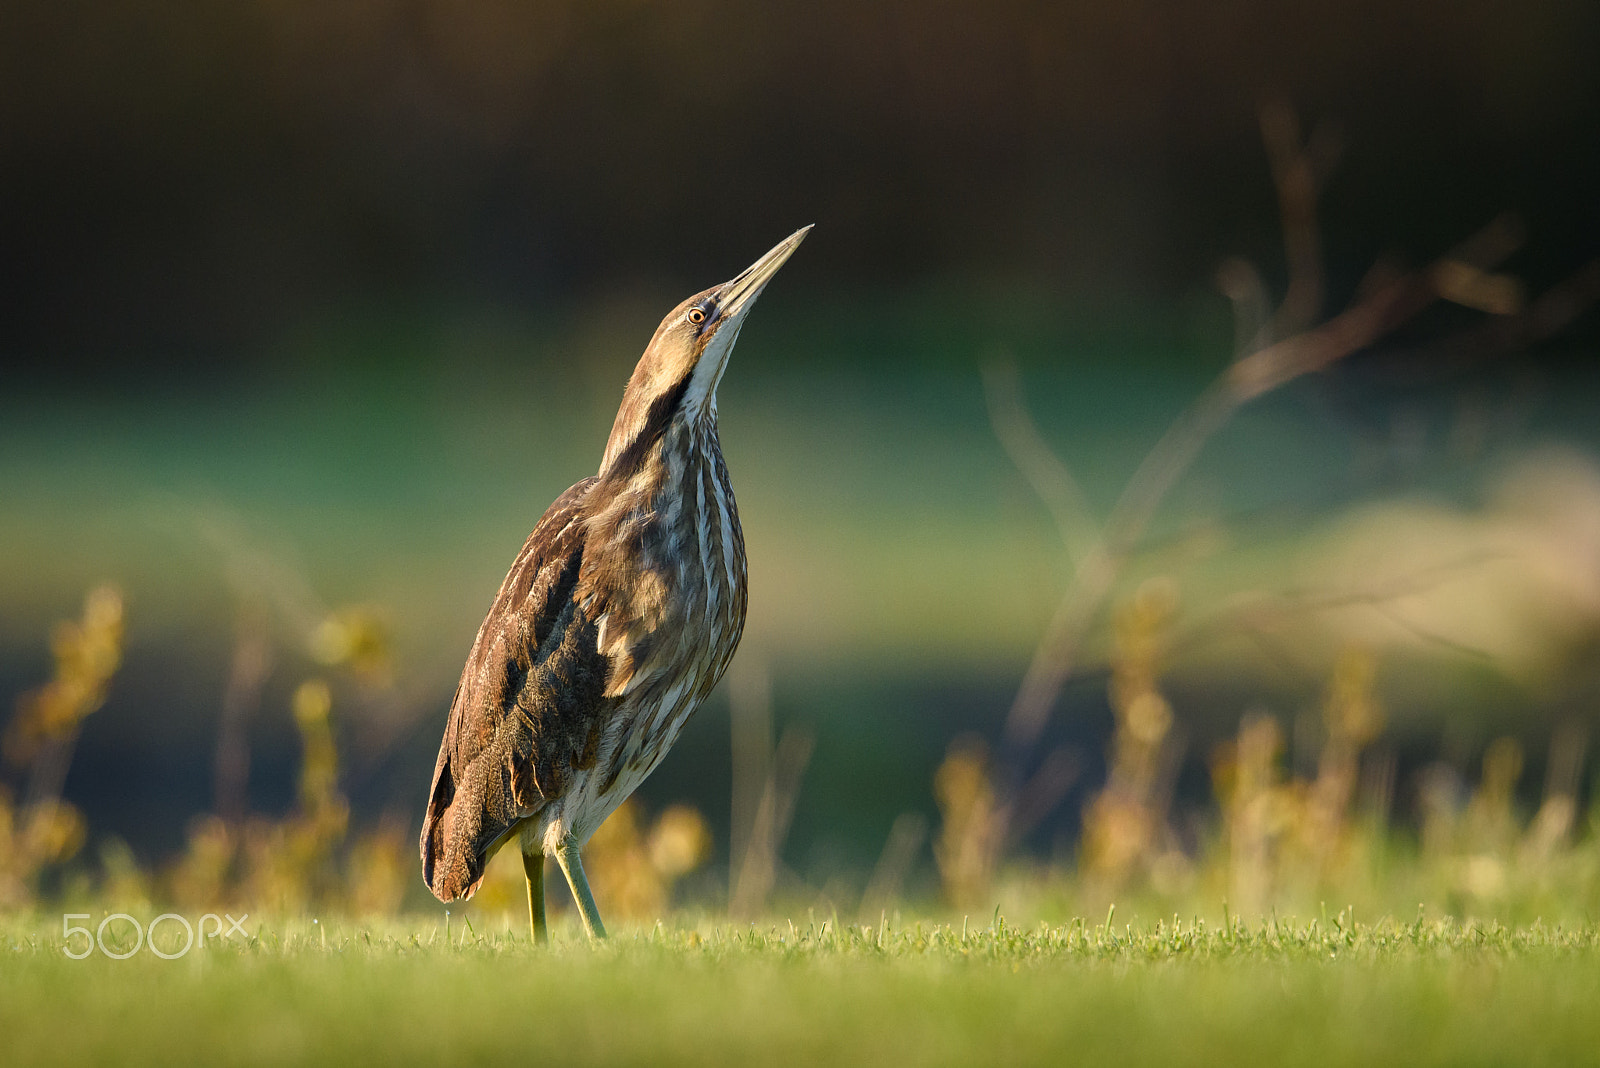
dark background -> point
(182, 182)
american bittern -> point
(617, 618)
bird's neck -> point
(656, 434)
(689, 452)
(674, 506)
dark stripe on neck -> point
(656, 421)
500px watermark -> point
(144, 937)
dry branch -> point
(1283, 347)
(1377, 314)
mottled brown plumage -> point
(619, 615)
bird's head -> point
(676, 378)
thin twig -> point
(750, 745)
(252, 664)
(1258, 614)
(1045, 472)
(1297, 174)
(906, 836)
(758, 874)
(1043, 792)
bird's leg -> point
(533, 867)
(572, 868)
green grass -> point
(1325, 991)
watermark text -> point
(172, 945)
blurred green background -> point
(307, 312)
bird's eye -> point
(697, 316)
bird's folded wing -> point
(527, 711)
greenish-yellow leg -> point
(572, 868)
(533, 867)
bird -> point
(616, 620)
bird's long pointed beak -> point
(742, 291)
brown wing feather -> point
(527, 710)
